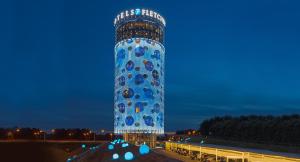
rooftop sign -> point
(139, 12)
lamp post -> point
(95, 135)
(44, 135)
(84, 134)
(17, 133)
(10, 135)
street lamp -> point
(36, 135)
(84, 134)
(111, 135)
(44, 135)
(94, 134)
(10, 135)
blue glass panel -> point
(139, 88)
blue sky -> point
(222, 58)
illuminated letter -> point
(132, 12)
(155, 14)
(151, 13)
(158, 17)
(143, 12)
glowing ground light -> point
(119, 140)
(124, 145)
(110, 147)
(115, 156)
(128, 156)
(144, 149)
(83, 146)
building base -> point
(139, 138)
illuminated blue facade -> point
(139, 85)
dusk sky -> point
(222, 58)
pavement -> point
(104, 155)
(173, 155)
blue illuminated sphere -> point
(156, 54)
(128, 156)
(139, 51)
(148, 93)
(121, 107)
(129, 120)
(110, 147)
(149, 65)
(144, 149)
(83, 146)
(155, 74)
(121, 81)
(139, 79)
(130, 65)
(115, 156)
(121, 54)
(156, 82)
(148, 120)
(156, 108)
(128, 93)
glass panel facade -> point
(139, 86)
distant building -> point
(139, 74)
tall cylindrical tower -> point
(139, 73)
